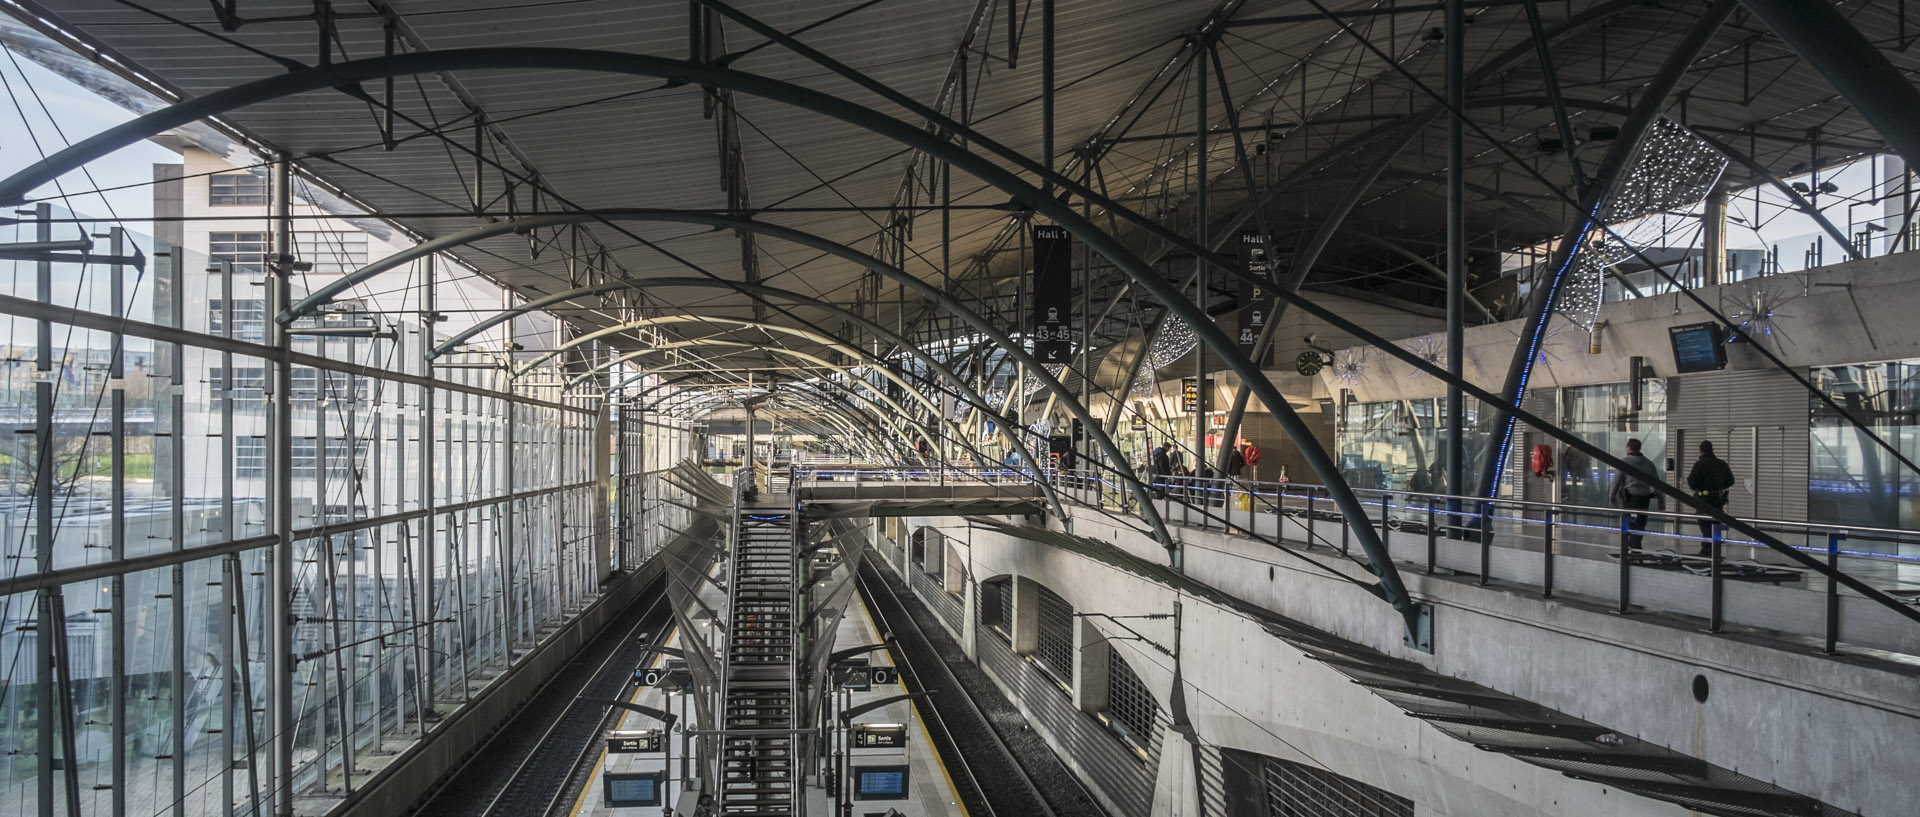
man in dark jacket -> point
(1710, 481)
(1633, 490)
(1159, 468)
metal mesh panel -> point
(996, 606)
(1055, 652)
(1294, 790)
(1130, 707)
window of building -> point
(247, 252)
(224, 189)
(1851, 479)
(996, 608)
(1130, 707)
(304, 462)
(342, 388)
(1603, 415)
(249, 319)
(250, 458)
(249, 385)
(332, 253)
(339, 465)
(1055, 651)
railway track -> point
(973, 749)
(516, 775)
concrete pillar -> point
(1713, 237)
(1025, 615)
(1091, 654)
(1176, 792)
(970, 620)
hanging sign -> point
(1053, 332)
(1256, 300)
(1190, 395)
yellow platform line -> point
(601, 760)
(873, 637)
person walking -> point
(1236, 462)
(1711, 481)
(1633, 490)
(1159, 469)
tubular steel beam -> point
(1122, 466)
(1883, 95)
(929, 141)
(1592, 198)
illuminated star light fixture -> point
(1350, 365)
(1673, 169)
(1430, 350)
(1759, 311)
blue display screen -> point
(1696, 348)
(633, 789)
(881, 782)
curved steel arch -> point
(1122, 467)
(700, 342)
(932, 142)
(860, 431)
(878, 365)
(958, 383)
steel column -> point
(1593, 198)
(281, 661)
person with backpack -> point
(1159, 469)
(1633, 490)
(1236, 462)
(1710, 480)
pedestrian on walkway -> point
(1633, 491)
(1159, 469)
(1711, 481)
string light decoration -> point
(1759, 311)
(1033, 385)
(1673, 169)
(1350, 365)
(1173, 342)
(1430, 350)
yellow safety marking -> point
(602, 759)
(873, 637)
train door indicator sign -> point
(879, 736)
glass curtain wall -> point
(441, 522)
(1851, 480)
(1604, 416)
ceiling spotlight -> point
(1600, 132)
(1829, 187)
(1801, 187)
(1552, 146)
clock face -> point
(1309, 363)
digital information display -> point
(879, 782)
(879, 736)
(632, 788)
(1697, 348)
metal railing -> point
(1630, 560)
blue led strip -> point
(1533, 348)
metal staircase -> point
(758, 748)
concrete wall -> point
(1248, 690)
(1841, 730)
(1845, 313)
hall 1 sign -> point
(1256, 300)
(1053, 332)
